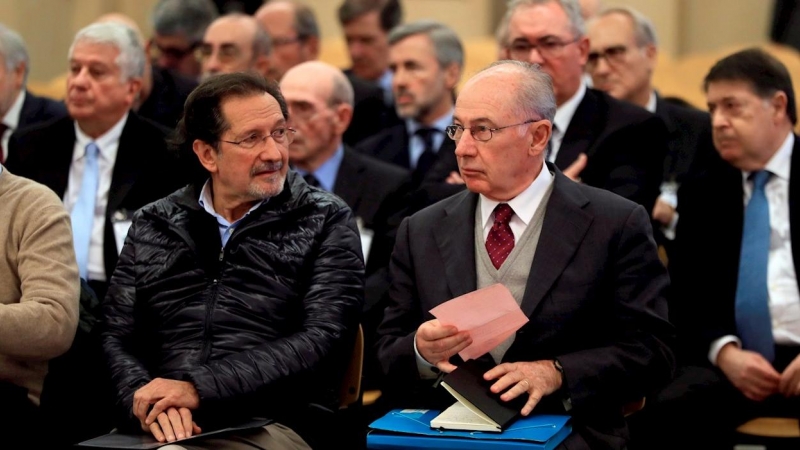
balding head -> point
(235, 43)
(293, 29)
(320, 100)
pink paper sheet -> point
(490, 315)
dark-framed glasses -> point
(480, 132)
(173, 53)
(226, 53)
(613, 55)
(283, 135)
(548, 47)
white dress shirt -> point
(11, 120)
(562, 119)
(108, 144)
(524, 206)
(784, 297)
(416, 146)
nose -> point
(466, 145)
(601, 66)
(165, 62)
(718, 120)
(79, 78)
(534, 57)
(212, 64)
(271, 150)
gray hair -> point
(189, 18)
(342, 91)
(390, 12)
(644, 32)
(535, 97)
(305, 22)
(131, 57)
(12, 47)
(571, 7)
(445, 41)
(262, 43)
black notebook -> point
(477, 408)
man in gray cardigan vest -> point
(580, 261)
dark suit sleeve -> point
(395, 346)
(630, 162)
(638, 356)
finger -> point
(533, 399)
(445, 366)
(166, 427)
(440, 349)
(506, 381)
(433, 330)
(159, 407)
(155, 429)
(516, 390)
(196, 429)
(176, 421)
(498, 371)
(186, 419)
(139, 407)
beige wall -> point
(684, 26)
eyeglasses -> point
(279, 135)
(280, 41)
(613, 55)
(227, 53)
(480, 132)
(548, 47)
(173, 53)
(301, 110)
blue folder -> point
(410, 429)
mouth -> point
(266, 170)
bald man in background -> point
(235, 43)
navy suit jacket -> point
(705, 265)
(594, 297)
(37, 109)
(144, 170)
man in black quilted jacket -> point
(238, 296)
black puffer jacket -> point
(260, 327)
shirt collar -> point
(327, 172)
(104, 142)
(207, 203)
(565, 112)
(524, 204)
(11, 118)
(385, 81)
(651, 102)
(780, 163)
(440, 124)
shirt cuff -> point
(426, 370)
(716, 346)
(669, 194)
(669, 230)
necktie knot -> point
(92, 150)
(503, 213)
(760, 179)
(311, 180)
(426, 134)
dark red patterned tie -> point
(500, 241)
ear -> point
(452, 73)
(262, 66)
(540, 133)
(134, 87)
(19, 75)
(779, 101)
(343, 114)
(583, 48)
(312, 47)
(206, 154)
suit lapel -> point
(455, 238)
(58, 177)
(566, 219)
(583, 129)
(794, 211)
(126, 167)
(349, 181)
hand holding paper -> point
(490, 315)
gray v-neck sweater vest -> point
(514, 272)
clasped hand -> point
(172, 403)
(755, 377)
